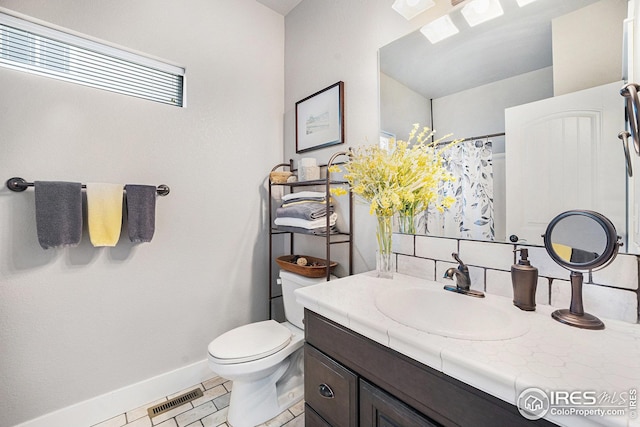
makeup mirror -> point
(580, 241)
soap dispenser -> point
(524, 278)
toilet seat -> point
(249, 342)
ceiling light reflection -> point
(479, 11)
(439, 29)
(412, 8)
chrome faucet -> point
(462, 278)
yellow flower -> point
(406, 177)
(338, 191)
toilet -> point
(264, 360)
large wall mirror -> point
(535, 95)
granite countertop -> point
(551, 356)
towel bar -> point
(630, 92)
(19, 184)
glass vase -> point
(406, 221)
(384, 258)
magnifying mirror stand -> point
(575, 315)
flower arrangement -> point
(405, 178)
(407, 175)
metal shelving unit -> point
(340, 237)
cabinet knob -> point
(325, 391)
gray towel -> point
(58, 213)
(581, 256)
(303, 199)
(141, 212)
(314, 231)
(311, 210)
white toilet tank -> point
(293, 311)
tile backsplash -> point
(610, 293)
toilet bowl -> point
(264, 360)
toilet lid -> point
(250, 342)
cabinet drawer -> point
(330, 389)
(378, 409)
(312, 419)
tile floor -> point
(209, 410)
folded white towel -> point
(305, 223)
(304, 194)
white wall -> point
(586, 47)
(401, 107)
(79, 322)
(480, 110)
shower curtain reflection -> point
(472, 215)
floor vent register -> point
(163, 407)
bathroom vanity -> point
(349, 377)
(364, 368)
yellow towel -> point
(563, 251)
(104, 212)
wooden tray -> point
(316, 267)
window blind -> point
(34, 48)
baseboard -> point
(109, 405)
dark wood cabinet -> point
(330, 389)
(380, 409)
(312, 419)
(394, 390)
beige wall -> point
(79, 322)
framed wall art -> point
(320, 119)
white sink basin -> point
(452, 315)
